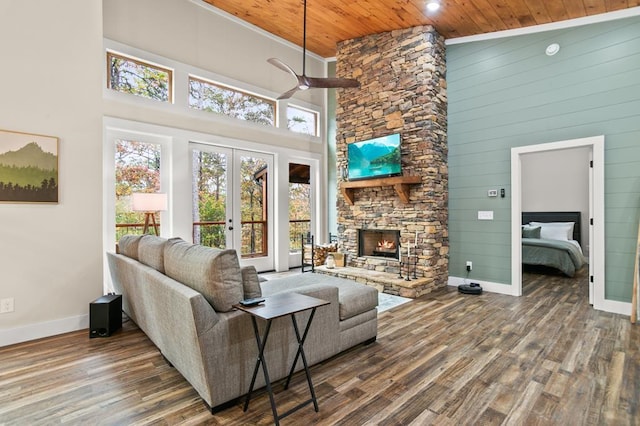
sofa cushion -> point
(214, 273)
(354, 298)
(128, 245)
(151, 251)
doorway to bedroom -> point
(561, 177)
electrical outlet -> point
(469, 265)
(6, 305)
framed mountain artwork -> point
(28, 168)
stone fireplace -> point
(379, 243)
(403, 90)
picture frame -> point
(28, 168)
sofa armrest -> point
(320, 291)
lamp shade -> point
(149, 202)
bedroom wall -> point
(558, 181)
(506, 93)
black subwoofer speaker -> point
(105, 315)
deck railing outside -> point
(212, 234)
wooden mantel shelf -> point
(400, 183)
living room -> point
(61, 45)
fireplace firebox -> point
(378, 242)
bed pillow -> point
(555, 230)
(531, 231)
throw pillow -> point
(251, 282)
(531, 232)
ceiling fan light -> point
(303, 87)
(433, 5)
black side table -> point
(276, 306)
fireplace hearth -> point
(378, 242)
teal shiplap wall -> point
(507, 93)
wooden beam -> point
(401, 184)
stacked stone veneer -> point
(403, 90)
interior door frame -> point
(596, 228)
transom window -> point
(136, 77)
(302, 120)
(213, 97)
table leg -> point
(261, 345)
(300, 354)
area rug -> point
(389, 301)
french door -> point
(232, 202)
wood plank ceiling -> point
(331, 21)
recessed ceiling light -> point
(552, 49)
(433, 5)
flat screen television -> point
(374, 158)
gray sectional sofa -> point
(181, 296)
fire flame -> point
(384, 244)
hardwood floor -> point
(445, 359)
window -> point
(207, 96)
(139, 78)
(302, 120)
(299, 205)
(137, 170)
(210, 209)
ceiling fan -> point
(305, 82)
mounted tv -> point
(374, 158)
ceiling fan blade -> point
(281, 65)
(305, 82)
(329, 83)
(287, 95)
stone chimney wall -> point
(403, 90)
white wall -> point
(51, 255)
(558, 181)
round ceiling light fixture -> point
(552, 49)
(433, 5)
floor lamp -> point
(149, 203)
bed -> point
(548, 240)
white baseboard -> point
(612, 306)
(486, 285)
(44, 329)
(615, 307)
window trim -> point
(111, 54)
(316, 115)
(272, 102)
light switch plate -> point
(485, 215)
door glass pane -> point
(209, 198)
(253, 206)
(137, 170)
(299, 205)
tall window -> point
(137, 170)
(302, 120)
(129, 75)
(208, 96)
(299, 204)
